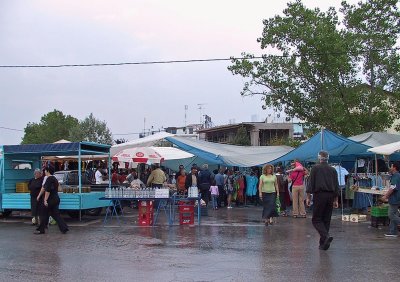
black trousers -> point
(205, 192)
(282, 196)
(222, 196)
(322, 213)
(54, 212)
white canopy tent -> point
(387, 149)
(374, 139)
(230, 155)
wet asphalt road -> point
(230, 245)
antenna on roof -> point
(201, 106)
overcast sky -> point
(51, 32)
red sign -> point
(139, 154)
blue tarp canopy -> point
(57, 149)
(338, 147)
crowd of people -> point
(273, 188)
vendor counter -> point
(68, 201)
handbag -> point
(291, 184)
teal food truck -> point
(18, 162)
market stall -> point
(32, 156)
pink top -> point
(297, 175)
(214, 190)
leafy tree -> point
(52, 127)
(342, 73)
(91, 129)
(241, 138)
(285, 141)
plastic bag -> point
(278, 205)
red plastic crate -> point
(186, 218)
(146, 222)
(186, 208)
(145, 219)
(146, 209)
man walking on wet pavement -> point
(393, 195)
(324, 187)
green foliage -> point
(340, 74)
(52, 127)
(242, 138)
(91, 129)
(285, 141)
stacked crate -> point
(379, 216)
(186, 213)
(146, 213)
(21, 187)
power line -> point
(129, 133)
(192, 60)
(13, 129)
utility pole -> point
(186, 108)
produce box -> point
(21, 187)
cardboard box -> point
(362, 217)
(346, 217)
(354, 218)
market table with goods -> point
(152, 202)
(379, 210)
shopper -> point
(99, 175)
(393, 196)
(219, 181)
(180, 182)
(229, 184)
(131, 176)
(191, 179)
(51, 202)
(34, 186)
(268, 191)
(205, 177)
(114, 177)
(214, 194)
(324, 187)
(283, 186)
(296, 176)
(157, 177)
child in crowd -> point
(214, 194)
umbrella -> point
(138, 155)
